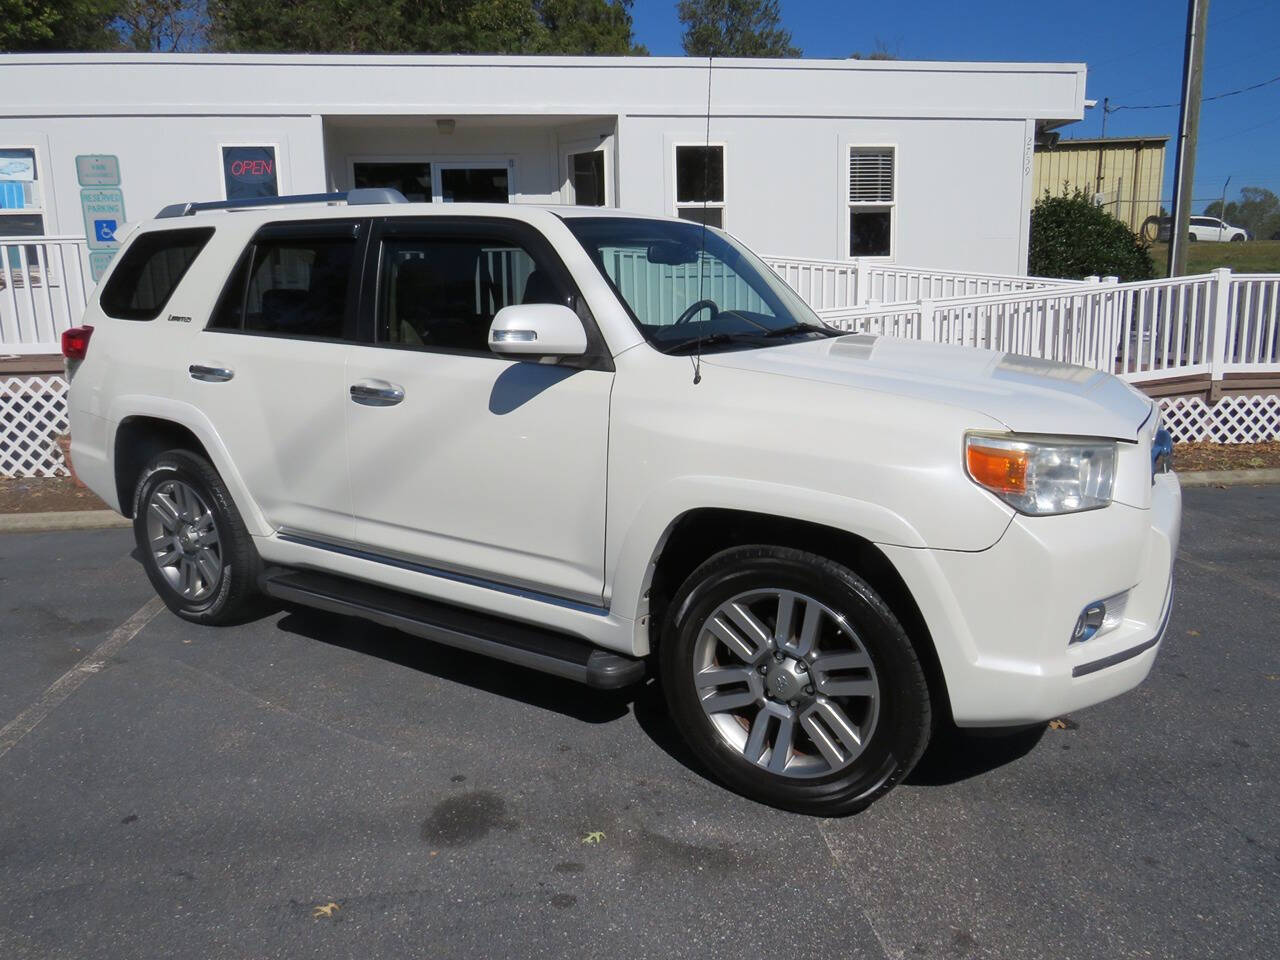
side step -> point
(509, 640)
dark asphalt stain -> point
(563, 901)
(457, 778)
(466, 818)
(569, 866)
(1151, 861)
(1240, 743)
(57, 624)
(654, 851)
(131, 818)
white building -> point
(921, 164)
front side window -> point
(700, 183)
(149, 272)
(686, 286)
(442, 293)
(290, 287)
(871, 201)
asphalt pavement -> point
(200, 792)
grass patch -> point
(1250, 256)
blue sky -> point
(1133, 50)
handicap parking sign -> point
(103, 210)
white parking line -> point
(65, 685)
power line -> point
(1218, 96)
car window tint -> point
(149, 272)
(296, 287)
(443, 293)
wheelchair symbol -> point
(105, 231)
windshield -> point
(688, 286)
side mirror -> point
(531, 330)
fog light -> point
(1099, 617)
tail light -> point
(75, 342)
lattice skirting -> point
(33, 413)
(1238, 419)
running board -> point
(509, 640)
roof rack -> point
(366, 195)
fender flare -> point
(631, 569)
(192, 418)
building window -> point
(21, 202)
(411, 177)
(700, 184)
(586, 178)
(249, 173)
(871, 201)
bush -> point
(1072, 238)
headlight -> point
(1043, 476)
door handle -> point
(376, 393)
(209, 374)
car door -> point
(269, 371)
(461, 460)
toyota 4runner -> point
(592, 443)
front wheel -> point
(793, 681)
(194, 545)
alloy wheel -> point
(183, 538)
(786, 683)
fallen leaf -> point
(1062, 723)
(1193, 633)
(1273, 676)
(595, 836)
(327, 910)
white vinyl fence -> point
(43, 286)
(1215, 324)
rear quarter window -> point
(150, 270)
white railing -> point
(824, 284)
(882, 283)
(845, 284)
(1213, 324)
(43, 286)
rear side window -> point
(291, 286)
(150, 270)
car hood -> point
(1026, 394)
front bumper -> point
(1001, 618)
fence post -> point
(928, 321)
(1218, 322)
(859, 294)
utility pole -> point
(1102, 148)
(1222, 210)
(1184, 172)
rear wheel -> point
(793, 681)
(194, 545)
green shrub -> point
(1072, 238)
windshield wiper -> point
(794, 329)
(709, 340)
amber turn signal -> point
(1002, 469)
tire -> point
(720, 690)
(1237, 239)
(186, 525)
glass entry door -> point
(464, 183)
(425, 181)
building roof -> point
(345, 84)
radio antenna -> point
(702, 250)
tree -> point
(1072, 237)
(424, 26)
(162, 26)
(735, 28)
(1258, 211)
(57, 25)
(880, 51)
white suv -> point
(1215, 230)
(589, 442)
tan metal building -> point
(1126, 174)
